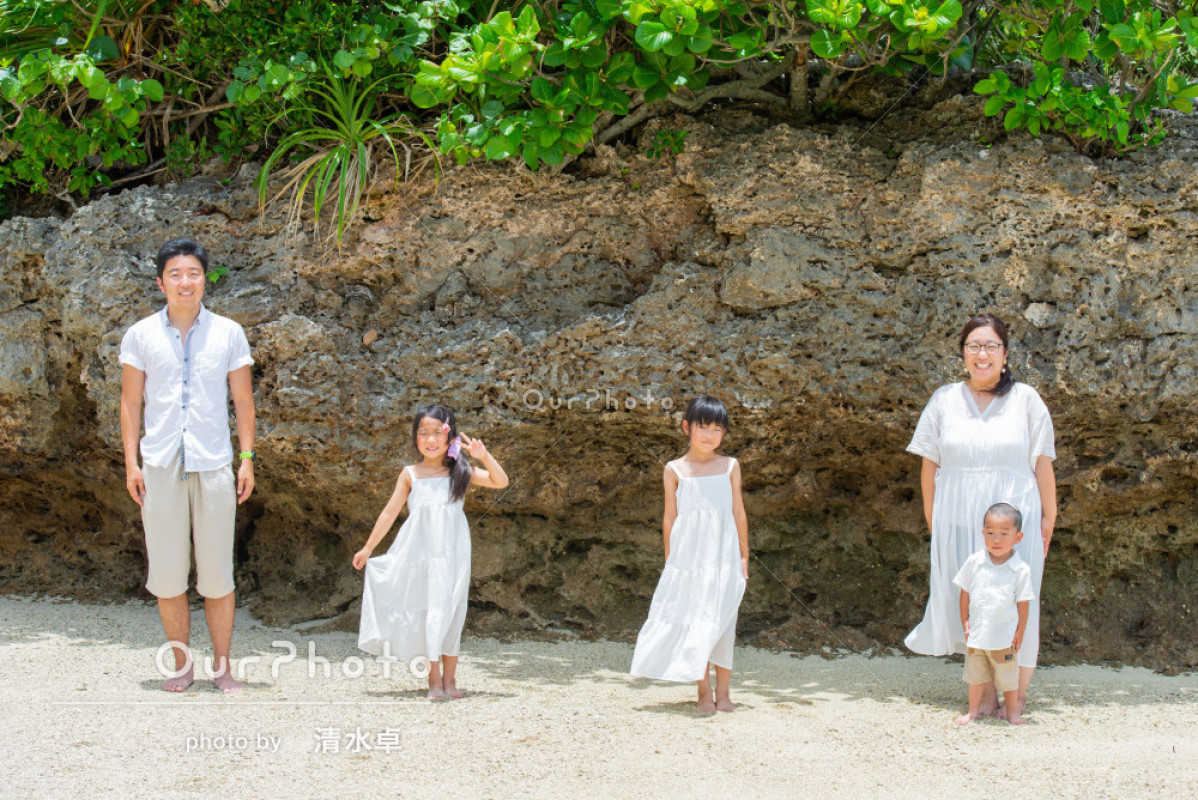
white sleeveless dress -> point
(984, 457)
(415, 594)
(692, 620)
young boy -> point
(996, 586)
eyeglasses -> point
(973, 348)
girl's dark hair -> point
(459, 468)
(706, 410)
(180, 247)
(987, 320)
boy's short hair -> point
(181, 247)
(1006, 511)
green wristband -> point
(247, 454)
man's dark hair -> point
(181, 247)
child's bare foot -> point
(179, 682)
(725, 704)
(705, 705)
(225, 683)
(1013, 718)
(436, 692)
(965, 719)
(452, 691)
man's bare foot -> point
(179, 683)
(967, 718)
(452, 691)
(725, 704)
(225, 683)
(705, 705)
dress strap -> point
(670, 466)
(730, 466)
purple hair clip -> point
(455, 447)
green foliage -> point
(216, 273)
(667, 141)
(100, 90)
(342, 146)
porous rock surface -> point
(815, 278)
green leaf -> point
(826, 45)
(531, 154)
(527, 24)
(701, 42)
(643, 77)
(251, 93)
(362, 68)
(1124, 36)
(423, 96)
(152, 90)
(343, 59)
(497, 148)
(543, 91)
(102, 48)
(994, 105)
(653, 36)
(985, 86)
(492, 109)
(547, 136)
(1112, 11)
(656, 92)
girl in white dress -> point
(984, 440)
(414, 601)
(692, 620)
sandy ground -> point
(84, 718)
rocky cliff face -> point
(813, 278)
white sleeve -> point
(131, 350)
(239, 349)
(1039, 428)
(926, 441)
(1023, 586)
(964, 577)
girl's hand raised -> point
(360, 558)
(478, 450)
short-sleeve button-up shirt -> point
(187, 387)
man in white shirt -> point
(184, 362)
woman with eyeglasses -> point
(984, 440)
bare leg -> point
(989, 706)
(706, 702)
(447, 677)
(176, 622)
(1025, 680)
(977, 691)
(436, 690)
(219, 612)
(722, 701)
(1011, 712)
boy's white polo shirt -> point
(994, 590)
(187, 387)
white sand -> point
(84, 718)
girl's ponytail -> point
(459, 468)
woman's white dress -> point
(415, 595)
(983, 458)
(692, 619)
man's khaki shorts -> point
(173, 510)
(1001, 666)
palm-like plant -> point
(344, 142)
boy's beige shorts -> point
(1000, 665)
(173, 510)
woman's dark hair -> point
(181, 247)
(706, 410)
(459, 468)
(987, 320)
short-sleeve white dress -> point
(414, 596)
(692, 619)
(983, 458)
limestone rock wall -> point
(813, 278)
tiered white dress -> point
(415, 594)
(692, 619)
(983, 458)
